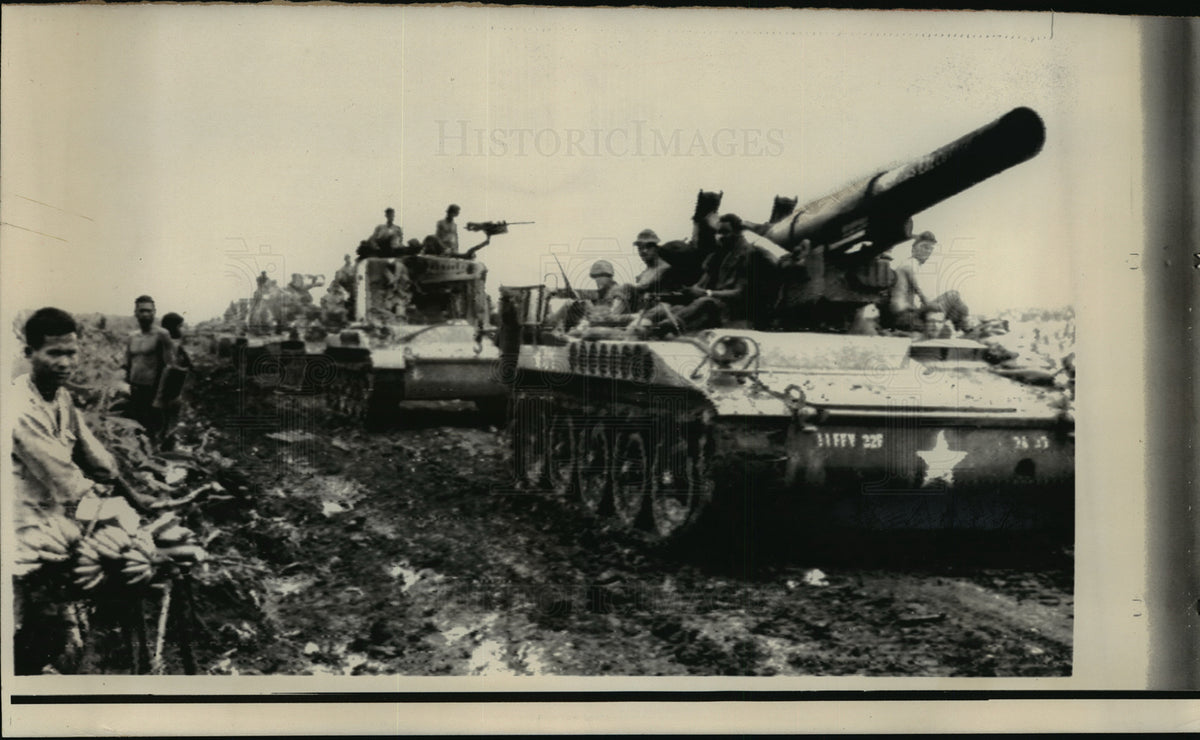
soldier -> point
(658, 277)
(934, 324)
(345, 275)
(334, 306)
(56, 462)
(723, 294)
(148, 352)
(612, 300)
(447, 231)
(908, 297)
(388, 238)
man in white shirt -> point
(56, 462)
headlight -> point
(728, 350)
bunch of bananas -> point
(110, 544)
(108, 548)
(51, 541)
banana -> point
(134, 555)
(87, 583)
(24, 568)
(54, 534)
(69, 529)
(25, 555)
(175, 536)
(105, 550)
(87, 570)
(166, 521)
(87, 550)
(144, 576)
(114, 537)
(38, 539)
(52, 557)
(185, 552)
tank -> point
(412, 327)
(868, 432)
(421, 330)
(259, 335)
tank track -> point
(646, 465)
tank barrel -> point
(876, 208)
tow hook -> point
(801, 411)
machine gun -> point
(492, 228)
(837, 239)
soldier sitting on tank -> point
(723, 296)
(934, 324)
(611, 302)
(334, 309)
(433, 246)
(908, 297)
(658, 278)
(388, 238)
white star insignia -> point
(940, 462)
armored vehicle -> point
(421, 330)
(412, 327)
(867, 431)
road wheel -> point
(562, 458)
(682, 486)
(631, 476)
(595, 469)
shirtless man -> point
(147, 354)
(447, 231)
(388, 238)
(908, 298)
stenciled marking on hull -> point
(940, 462)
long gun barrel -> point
(879, 208)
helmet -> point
(646, 236)
(601, 267)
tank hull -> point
(865, 450)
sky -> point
(177, 151)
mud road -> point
(402, 552)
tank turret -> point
(837, 241)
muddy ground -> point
(402, 551)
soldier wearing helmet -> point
(658, 276)
(612, 300)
